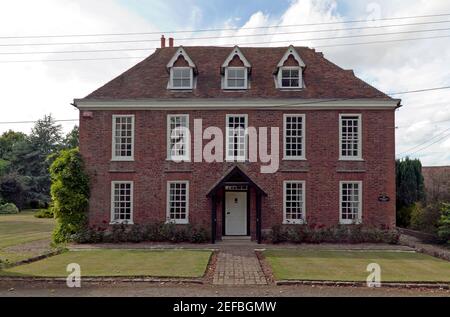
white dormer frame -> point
(301, 65)
(170, 66)
(236, 51)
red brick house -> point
(336, 142)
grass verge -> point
(351, 266)
(110, 263)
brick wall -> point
(322, 170)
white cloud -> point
(392, 67)
(30, 90)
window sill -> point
(294, 222)
(349, 159)
(184, 160)
(181, 89)
(290, 88)
(233, 160)
(350, 222)
(294, 159)
(121, 222)
(178, 222)
(122, 159)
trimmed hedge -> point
(155, 232)
(337, 234)
(8, 209)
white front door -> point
(236, 213)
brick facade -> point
(322, 170)
(322, 92)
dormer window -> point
(181, 77)
(236, 78)
(290, 77)
(182, 71)
(289, 72)
(235, 70)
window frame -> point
(245, 87)
(358, 219)
(119, 221)
(191, 73)
(227, 144)
(177, 221)
(294, 221)
(280, 77)
(187, 156)
(114, 157)
(303, 156)
(360, 126)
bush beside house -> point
(70, 194)
(156, 232)
(337, 234)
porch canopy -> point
(234, 176)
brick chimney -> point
(163, 41)
(170, 41)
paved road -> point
(165, 290)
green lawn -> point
(351, 265)
(22, 229)
(107, 262)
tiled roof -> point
(323, 79)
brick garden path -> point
(238, 265)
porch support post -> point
(213, 218)
(258, 216)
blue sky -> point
(213, 12)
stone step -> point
(236, 238)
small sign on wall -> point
(87, 114)
(384, 198)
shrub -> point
(336, 234)
(426, 218)
(154, 232)
(70, 194)
(13, 189)
(404, 216)
(9, 208)
(44, 213)
(199, 235)
(444, 223)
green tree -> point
(7, 142)
(444, 223)
(71, 139)
(30, 159)
(12, 190)
(410, 188)
(70, 194)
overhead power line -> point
(226, 29)
(420, 90)
(34, 121)
(242, 44)
(429, 145)
(287, 41)
(423, 143)
(281, 105)
(222, 36)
